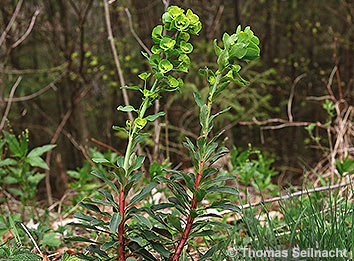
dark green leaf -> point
(143, 220)
(96, 249)
(229, 190)
(115, 221)
(101, 176)
(143, 193)
(14, 145)
(158, 247)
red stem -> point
(121, 210)
(190, 220)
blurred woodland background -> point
(69, 86)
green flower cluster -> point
(240, 46)
(169, 53)
(175, 19)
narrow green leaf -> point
(217, 114)
(101, 176)
(198, 99)
(125, 108)
(143, 220)
(229, 190)
(175, 222)
(208, 254)
(158, 247)
(115, 221)
(203, 116)
(154, 116)
(137, 88)
(143, 193)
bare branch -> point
(24, 71)
(36, 94)
(105, 145)
(292, 93)
(7, 110)
(28, 31)
(55, 138)
(134, 33)
(115, 55)
(330, 80)
(12, 20)
(296, 194)
(285, 123)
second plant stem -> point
(199, 174)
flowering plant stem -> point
(198, 177)
(143, 107)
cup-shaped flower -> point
(211, 79)
(167, 21)
(184, 58)
(195, 28)
(193, 18)
(165, 66)
(140, 123)
(174, 11)
(144, 76)
(156, 49)
(157, 31)
(172, 82)
(128, 123)
(155, 59)
(181, 22)
(167, 43)
(186, 47)
(183, 36)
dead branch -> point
(12, 20)
(285, 123)
(7, 110)
(28, 31)
(292, 93)
(141, 43)
(55, 138)
(296, 194)
(24, 71)
(115, 56)
(105, 145)
(38, 93)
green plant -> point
(242, 45)
(321, 221)
(82, 181)
(253, 171)
(11, 251)
(169, 58)
(21, 167)
(164, 233)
